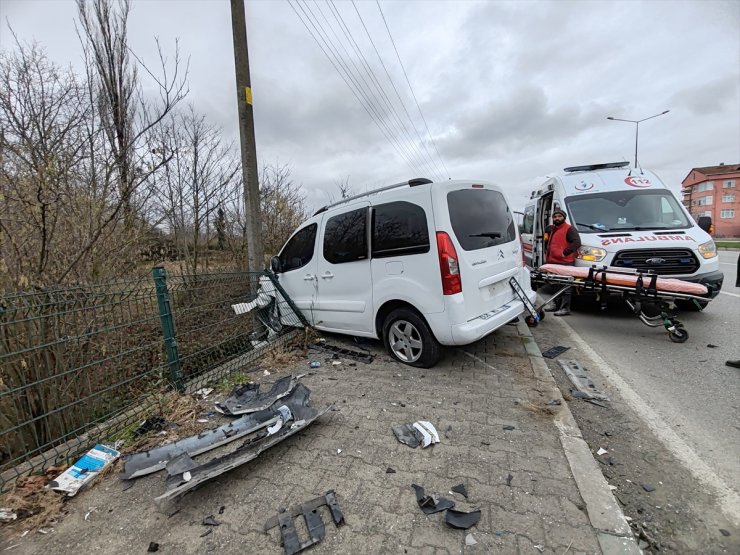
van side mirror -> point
(705, 223)
(275, 264)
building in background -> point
(715, 191)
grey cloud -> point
(709, 98)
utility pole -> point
(255, 262)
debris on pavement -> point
(470, 540)
(293, 416)
(314, 364)
(247, 398)
(85, 470)
(418, 433)
(647, 487)
(390, 470)
(509, 478)
(359, 356)
(210, 521)
(577, 375)
(206, 533)
(431, 503)
(462, 520)
(552, 352)
(151, 424)
(204, 392)
(460, 488)
(314, 524)
(601, 451)
(508, 427)
(712, 346)
(724, 532)
(153, 547)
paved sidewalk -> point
(521, 479)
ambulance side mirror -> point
(705, 223)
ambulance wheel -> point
(409, 340)
(678, 335)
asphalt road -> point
(688, 385)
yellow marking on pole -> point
(248, 95)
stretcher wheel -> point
(679, 335)
(541, 314)
(531, 322)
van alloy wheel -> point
(405, 341)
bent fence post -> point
(168, 326)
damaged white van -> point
(627, 219)
(416, 264)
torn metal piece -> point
(461, 520)
(247, 398)
(359, 356)
(258, 442)
(578, 377)
(141, 464)
(460, 488)
(552, 352)
(431, 503)
(419, 433)
(312, 519)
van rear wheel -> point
(409, 339)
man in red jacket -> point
(562, 242)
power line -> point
(347, 82)
(412, 89)
(398, 95)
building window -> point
(728, 198)
(707, 186)
(729, 184)
(704, 201)
(727, 214)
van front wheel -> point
(409, 339)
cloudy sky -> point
(510, 91)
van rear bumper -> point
(478, 328)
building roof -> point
(715, 170)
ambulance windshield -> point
(626, 211)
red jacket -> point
(557, 243)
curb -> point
(607, 519)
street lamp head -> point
(609, 117)
(665, 112)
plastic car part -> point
(459, 519)
(247, 398)
(578, 377)
(312, 518)
(460, 488)
(359, 356)
(431, 503)
(418, 433)
(302, 416)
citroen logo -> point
(500, 255)
(656, 261)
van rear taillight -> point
(448, 265)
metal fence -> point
(82, 364)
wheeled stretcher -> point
(639, 291)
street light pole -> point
(637, 127)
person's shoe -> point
(551, 308)
(563, 312)
(733, 363)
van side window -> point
(528, 221)
(399, 228)
(345, 237)
(480, 218)
(299, 250)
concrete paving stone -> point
(431, 531)
(561, 534)
(526, 501)
(516, 523)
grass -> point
(727, 244)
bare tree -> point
(344, 188)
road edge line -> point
(613, 532)
(728, 500)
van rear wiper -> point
(596, 227)
(490, 234)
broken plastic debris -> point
(470, 540)
(339, 451)
(508, 427)
(419, 433)
(460, 519)
(389, 470)
(314, 364)
(204, 392)
(203, 420)
(266, 373)
(84, 470)
(210, 521)
(647, 487)
(552, 352)
(7, 515)
(151, 424)
(460, 488)
(336, 362)
(724, 532)
(601, 451)
(153, 547)
(431, 503)
(540, 548)
(204, 534)
(577, 375)
(247, 398)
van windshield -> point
(480, 218)
(626, 211)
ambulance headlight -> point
(708, 249)
(591, 254)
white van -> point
(416, 264)
(628, 219)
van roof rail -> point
(411, 183)
(593, 167)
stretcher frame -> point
(643, 294)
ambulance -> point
(628, 219)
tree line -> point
(100, 178)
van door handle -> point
(309, 277)
(327, 275)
